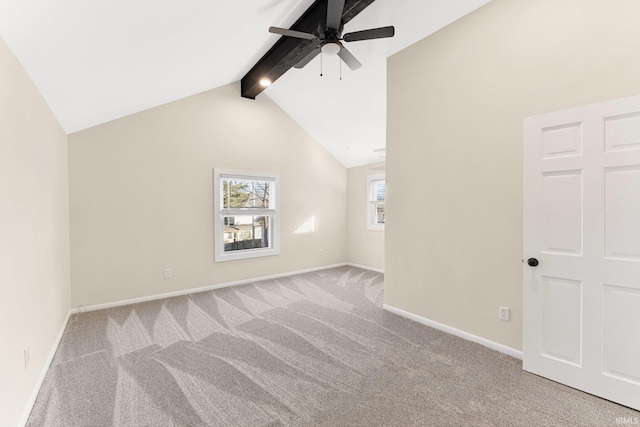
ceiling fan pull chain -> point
(320, 65)
(340, 62)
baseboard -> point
(364, 267)
(43, 373)
(195, 290)
(457, 332)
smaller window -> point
(376, 194)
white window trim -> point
(218, 233)
(371, 204)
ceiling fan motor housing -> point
(329, 33)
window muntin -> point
(246, 215)
(376, 195)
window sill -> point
(246, 254)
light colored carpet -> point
(306, 350)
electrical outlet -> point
(27, 358)
(167, 273)
(505, 314)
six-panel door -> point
(582, 222)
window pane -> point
(239, 193)
(261, 190)
(380, 213)
(247, 232)
(380, 191)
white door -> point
(582, 225)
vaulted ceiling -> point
(95, 61)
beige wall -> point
(456, 101)
(141, 196)
(364, 247)
(34, 235)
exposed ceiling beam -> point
(288, 50)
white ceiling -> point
(95, 61)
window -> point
(376, 192)
(246, 215)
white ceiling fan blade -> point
(292, 33)
(334, 13)
(349, 59)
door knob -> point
(532, 262)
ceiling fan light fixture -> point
(331, 48)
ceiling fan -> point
(329, 36)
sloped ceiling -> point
(96, 61)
